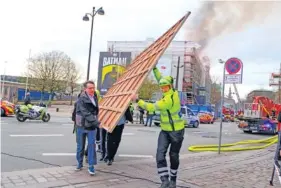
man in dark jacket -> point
(141, 115)
(73, 117)
(86, 124)
(114, 138)
(27, 99)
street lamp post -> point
(178, 70)
(100, 11)
(222, 102)
(26, 83)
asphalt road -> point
(23, 144)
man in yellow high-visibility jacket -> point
(172, 129)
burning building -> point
(181, 61)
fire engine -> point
(260, 116)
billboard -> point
(111, 66)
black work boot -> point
(173, 184)
(165, 182)
(109, 163)
(102, 158)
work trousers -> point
(113, 141)
(173, 139)
(81, 139)
(141, 118)
(98, 139)
(149, 119)
(103, 137)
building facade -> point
(265, 93)
(181, 61)
(14, 88)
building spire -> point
(229, 93)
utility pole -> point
(178, 71)
(222, 103)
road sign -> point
(233, 79)
(233, 65)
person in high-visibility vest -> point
(149, 117)
(172, 128)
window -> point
(183, 111)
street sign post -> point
(234, 68)
(232, 79)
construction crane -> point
(237, 95)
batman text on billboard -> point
(111, 66)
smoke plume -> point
(215, 18)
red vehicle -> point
(260, 116)
(228, 114)
(7, 108)
(205, 117)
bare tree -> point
(49, 71)
(57, 63)
(148, 88)
(38, 69)
(215, 90)
(72, 76)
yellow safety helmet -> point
(166, 80)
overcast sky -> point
(42, 26)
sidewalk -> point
(251, 169)
(64, 110)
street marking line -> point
(35, 135)
(58, 154)
(67, 124)
(128, 134)
(3, 123)
(137, 156)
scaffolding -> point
(193, 72)
(275, 81)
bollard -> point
(57, 109)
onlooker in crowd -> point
(98, 139)
(103, 136)
(149, 118)
(97, 94)
(132, 109)
(114, 138)
(74, 115)
(141, 115)
(86, 124)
